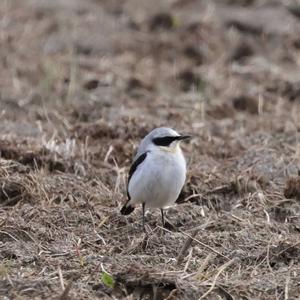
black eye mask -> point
(165, 141)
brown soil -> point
(81, 83)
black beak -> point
(183, 137)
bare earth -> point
(81, 82)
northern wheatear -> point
(158, 172)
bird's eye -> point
(164, 141)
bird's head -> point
(163, 138)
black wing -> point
(133, 168)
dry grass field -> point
(81, 82)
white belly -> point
(158, 181)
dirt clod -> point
(12, 192)
(91, 84)
(292, 188)
(241, 52)
(295, 10)
(161, 21)
(245, 104)
(194, 54)
(189, 80)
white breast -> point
(158, 181)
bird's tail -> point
(127, 209)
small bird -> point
(158, 172)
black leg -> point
(162, 217)
(143, 207)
